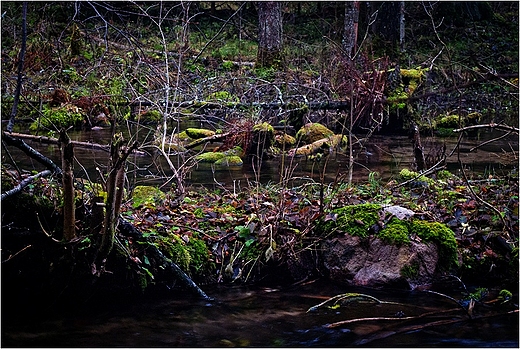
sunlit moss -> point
(355, 220)
(312, 132)
(210, 156)
(196, 133)
(147, 196)
(441, 235)
(395, 232)
(229, 160)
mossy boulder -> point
(210, 156)
(385, 246)
(283, 138)
(196, 133)
(147, 196)
(312, 132)
(229, 160)
(65, 116)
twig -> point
(432, 169)
(490, 141)
(17, 253)
(491, 125)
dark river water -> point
(270, 317)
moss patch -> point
(355, 220)
(196, 133)
(146, 196)
(313, 132)
(441, 235)
(229, 160)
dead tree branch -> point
(25, 183)
(32, 153)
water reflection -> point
(386, 155)
(264, 317)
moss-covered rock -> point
(151, 116)
(442, 236)
(65, 116)
(147, 196)
(312, 132)
(354, 220)
(196, 133)
(283, 138)
(210, 156)
(229, 160)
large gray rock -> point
(374, 263)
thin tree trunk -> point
(118, 156)
(21, 59)
(69, 204)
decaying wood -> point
(315, 147)
(491, 125)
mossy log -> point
(322, 145)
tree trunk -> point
(350, 31)
(21, 59)
(269, 34)
(69, 205)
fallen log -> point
(324, 144)
(51, 140)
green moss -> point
(151, 116)
(444, 175)
(284, 138)
(449, 121)
(441, 235)
(196, 133)
(355, 220)
(263, 127)
(395, 232)
(210, 156)
(312, 132)
(60, 117)
(223, 96)
(147, 196)
(406, 174)
(229, 160)
(410, 271)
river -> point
(384, 154)
(269, 317)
